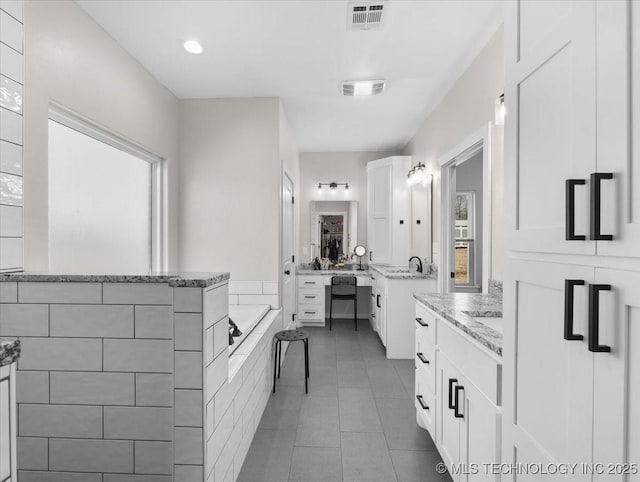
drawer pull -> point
(309, 296)
(309, 282)
(422, 358)
(456, 413)
(421, 322)
(422, 402)
(451, 382)
(569, 284)
(594, 318)
(309, 312)
(595, 233)
(570, 210)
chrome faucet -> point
(419, 263)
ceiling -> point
(301, 50)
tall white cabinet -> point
(389, 211)
(572, 196)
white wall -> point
(230, 187)
(72, 61)
(348, 167)
(467, 107)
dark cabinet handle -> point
(594, 318)
(569, 284)
(370, 254)
(309, 282)
(287, 272)
(422, 403)
(451, 382)
(378, 301)
(596, 179)
(570, 209)
(421, 322)
(456, 412)
(309, 297)
(422, 358)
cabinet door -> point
(447, 425)
(379, 192)
(550, 94)
(547, 380)
(619, 125)
(481, 431)
(382, 313)
(616, 430)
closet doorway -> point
(333, 235)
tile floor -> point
(357, 423)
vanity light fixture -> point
(333, 185)
(500, 110)
(193, 47)
(417, 175)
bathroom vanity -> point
(113, 366)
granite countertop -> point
(347, 271)
(403, 272)
(9, 350)
(463, 311)
(176, 280)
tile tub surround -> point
(9, 350)
(254, 293)
(461, 309)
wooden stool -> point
(290, 335)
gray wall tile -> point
(24, 320)
(220, 336)
(188, 369)
(92, 388)
(138, 355)
(28, 476)
(8, 292)
(92, 321)
(188, 411)
(32, 453)
(141, 423)
(136, 478)
(61, 354)
(217, 374)
(154, 322)
(91, 455)
(188, 444)
(188, 473)
(153, 458)
(216, 304)
(32, 387)
(59, 421)
(154, 389)
(188, 331)
(187, 300)
(34, 292)
(138, 293)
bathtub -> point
(247, 318)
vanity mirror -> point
(333, 229)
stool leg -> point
(275, 364)
(279, 356)
(330, 313)
(306, 367)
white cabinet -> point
(310, 294)
(8, 423)
(388, 211)
(572, 324)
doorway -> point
(288, 267)
(466, 215)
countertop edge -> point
(9, 350)
(175, 280)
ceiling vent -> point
(365, 15)
(362, 87)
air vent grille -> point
(365, 15)
(352, 88)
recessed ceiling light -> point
(193, 47)
(363, 87)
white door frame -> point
(479, 140)
(287, 323)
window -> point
(465, 238)
(104, 202)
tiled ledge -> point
(174, 280)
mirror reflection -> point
(334, 228)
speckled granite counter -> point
(9, 350)
(462, 309)
(402, 272)
(175, 280)
(347, 272)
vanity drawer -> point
(425, 402)
(310, 297)
(425, 360)
(310, 312)
(310, 282)
(425, 324)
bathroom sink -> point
(400, 270)
(492, 322)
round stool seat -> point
(291, 335)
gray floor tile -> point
(398, 417)
(407, 371)
(417, 466)
(283, 409)
(358, 412)
(352, 373)
(365, 457)
(316, 464)
(319, 422)
(269, 457)
(385, 381)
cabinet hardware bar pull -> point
(309, 282)
(378, 301)
(594, 318)
(570, 210)
(596, 206)
(421, 322)
(422, 403)
(309, 296)
(569, 284)
(309, 312)
(456, 413)
(451, 382)
(422, 358)
(370, 254)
